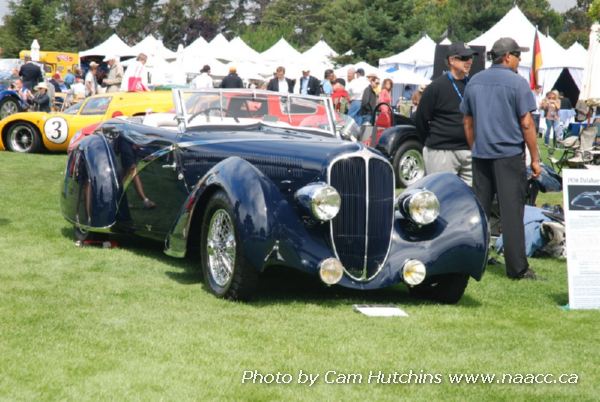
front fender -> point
(269, 227)
(392, 137)
(457, 242)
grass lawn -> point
(131, 324)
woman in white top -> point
(136, 76)
(204, 80)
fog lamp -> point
(331, 271)
(413, 272)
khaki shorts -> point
(442, 160)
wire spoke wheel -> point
(411, 167)
(221, 247)
(8, 107)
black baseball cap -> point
(506, 45)
(460, 49)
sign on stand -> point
(581, 198)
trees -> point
(371, 28)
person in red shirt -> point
(340, 97)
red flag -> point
(536, 61)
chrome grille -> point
(361, 232)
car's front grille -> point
(361, 232)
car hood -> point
(291, 149)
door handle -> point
(172, 166)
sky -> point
(558, 5)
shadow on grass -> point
(4, 221)
(277, 285)
(561, 299)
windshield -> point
(245, 106)
(73, 109)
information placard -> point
(581, 199)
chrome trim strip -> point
(366, 155)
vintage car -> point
(588, 200)
(36, 131)
(243, 190)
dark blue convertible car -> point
(249, 180)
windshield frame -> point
(183, 117)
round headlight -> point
(322, 200)
(331, 271)
(413, 272)
(423, 207)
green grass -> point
(133, 324)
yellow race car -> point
(35, 131)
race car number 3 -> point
(56, 130)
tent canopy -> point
(153, 48)
(113, 46)
(516, 25)
(420, 53)
(320, 52)
(195, 47)
(281, 51)
(219, 48)
(240, 51)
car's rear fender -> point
(91, 190)
(269, 227)
(392, 137)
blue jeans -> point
(354, 110)
(555, 126)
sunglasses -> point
(463, 58)
(516, 54)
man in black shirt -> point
(30, 74)
(439, 120)
(232, 80)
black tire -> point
(9, 106)
(23, 137)
(408, 163)
(447, 289)
(219, 245)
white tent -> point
(591, 82)
(320, 52)
(219, 48)
(153, 47)
(554, 58)
(241, 52)
(112, 46)
(281, 51)
(196, 47)
(418, 58)
(446, 41)
(407, 77)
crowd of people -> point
(39, 94)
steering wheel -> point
(205, 111)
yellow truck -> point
(55, 62)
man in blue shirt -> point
(498, 124)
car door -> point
(153, 180)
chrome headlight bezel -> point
(320, 199)
(421, 206)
